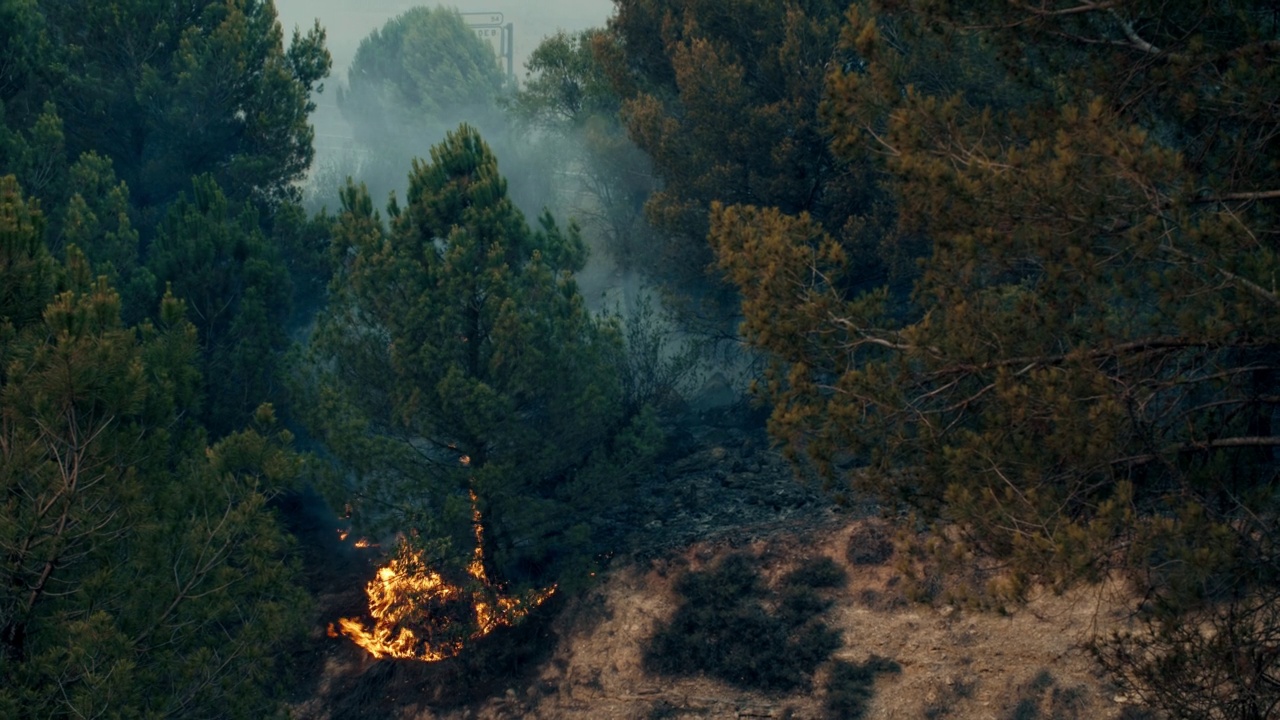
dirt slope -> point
(955, 664)
(729, 494)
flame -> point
(408, 597)
(342, 534)
(364, 543)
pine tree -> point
(410, 82)
(213, 254)
(1083, 380)
(457, 357)
(170, 91)
(724, 98)
(423, 71)
(141, 574)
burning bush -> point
(419, 615)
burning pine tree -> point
(458, 372)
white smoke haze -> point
(347, 22)
(537, 175)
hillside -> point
(954, 663)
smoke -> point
(378, 150)
(348, 22)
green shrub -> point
(870, 544)
(800, 604)
(1042, 698)
(849, 687)
(723, 629)
(821, 572)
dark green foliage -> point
(567, 86)
(303, 244)
(23, 48)
(141, 574)
(724, 99)
(850, 686)
(27, 273)
(722, 629)
(215, 92)
(1083, 379)
(820, 572)
(108, 110)
(34, 149)
(96, 218)
(211, 253)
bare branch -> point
(1241, 197)
(1084, 7)
(1138, 42)
(1253, 287)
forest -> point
(1006, 270)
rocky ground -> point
(726, 492)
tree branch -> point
(1127, 28)
(1233, 442)
(1084, 7)
(1241, 197)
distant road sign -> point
(482, 18)
(490, 27)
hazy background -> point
(347, 22)
(537, 180)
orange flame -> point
(408, 598)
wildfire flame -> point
(418, 615)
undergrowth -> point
(849, 687)
(733, 628)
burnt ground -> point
(720, 482)
(723, 490)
